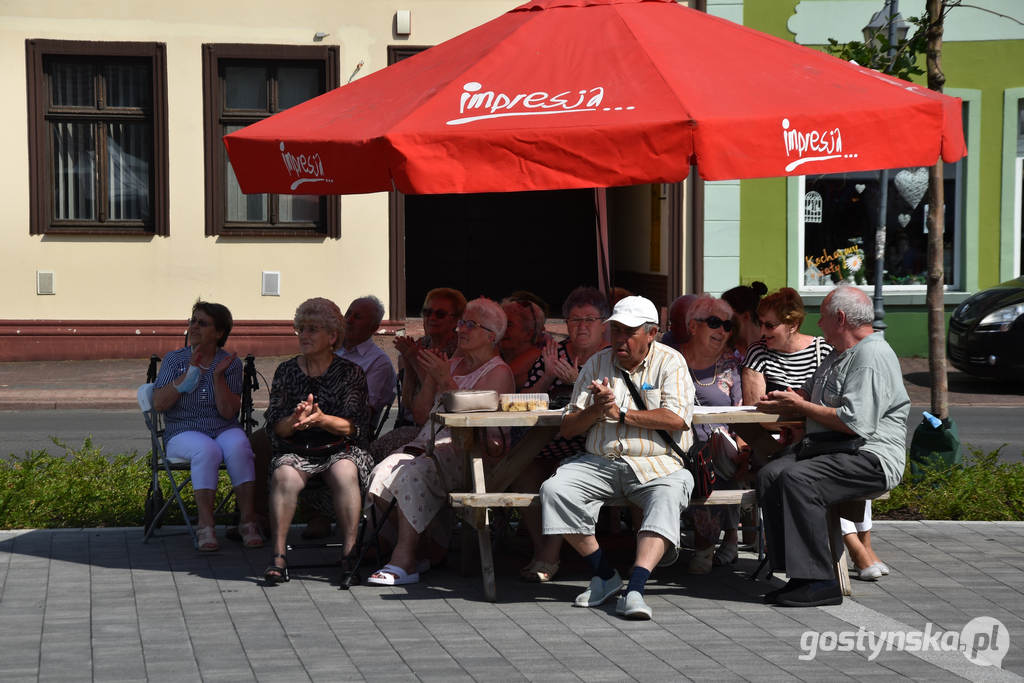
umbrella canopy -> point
(560, 94)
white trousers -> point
(849, 527)
(205, 455)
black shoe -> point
(772, 597)
(813, 594)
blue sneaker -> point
(599, 592)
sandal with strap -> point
(274, 574)
(206, 539)
(251, 536)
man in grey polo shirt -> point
(857, 391)
(626, 458)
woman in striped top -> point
(199, 390)
(783, 358)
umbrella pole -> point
(604, 271)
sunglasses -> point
(714, 322)
(580, 321)
(310, 329)
(472, 325)
(437, 313)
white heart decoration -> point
(904, 219)
(860, 188)
(912, 183)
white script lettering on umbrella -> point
(308, 168)
(827, 143)
(500, 104)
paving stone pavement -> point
(98, 604)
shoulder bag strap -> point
(639, 400)
(817, 350)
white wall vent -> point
(271, 283)
(45, 282)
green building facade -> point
(808, 232)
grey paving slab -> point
(98, 604)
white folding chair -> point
(156, 506)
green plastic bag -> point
(934, 447)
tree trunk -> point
(936, 228)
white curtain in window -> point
(128, 168)
(74, 171)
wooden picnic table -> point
(489, 482)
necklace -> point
(713, 379)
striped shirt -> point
(783, 370)
(663, 381)
(197, 411)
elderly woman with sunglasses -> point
(199, 390)
(555, 373)
(419, 481)
(317, 421)
(442, 309)
(784, 357)
(716, 380)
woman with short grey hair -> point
(418, 481)
(317, 421)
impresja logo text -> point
(482, 104)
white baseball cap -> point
(634, 311)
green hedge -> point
(81, 488)
(86, 488)
(983, 489)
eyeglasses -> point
(199, 321)
(714, 322)
(436, 313)
(579, 321)
(308, 329)
(770, 326)
(472, 325)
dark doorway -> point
(495, 243)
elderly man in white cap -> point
(626, 458)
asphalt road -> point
(121, 431)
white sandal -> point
(392, 575)
(206, 539)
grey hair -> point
(704, 306)
(378, 306)
(650, 326)
(854, 304)
(586, 296)
(492, 317)
(323, 312)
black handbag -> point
(318, 443)
(820, 443)
(698, 460)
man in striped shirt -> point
(626, 458)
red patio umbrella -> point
(560, 94)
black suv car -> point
(986, 332)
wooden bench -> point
(488, 483)
(477, 504)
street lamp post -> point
(887, 17)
